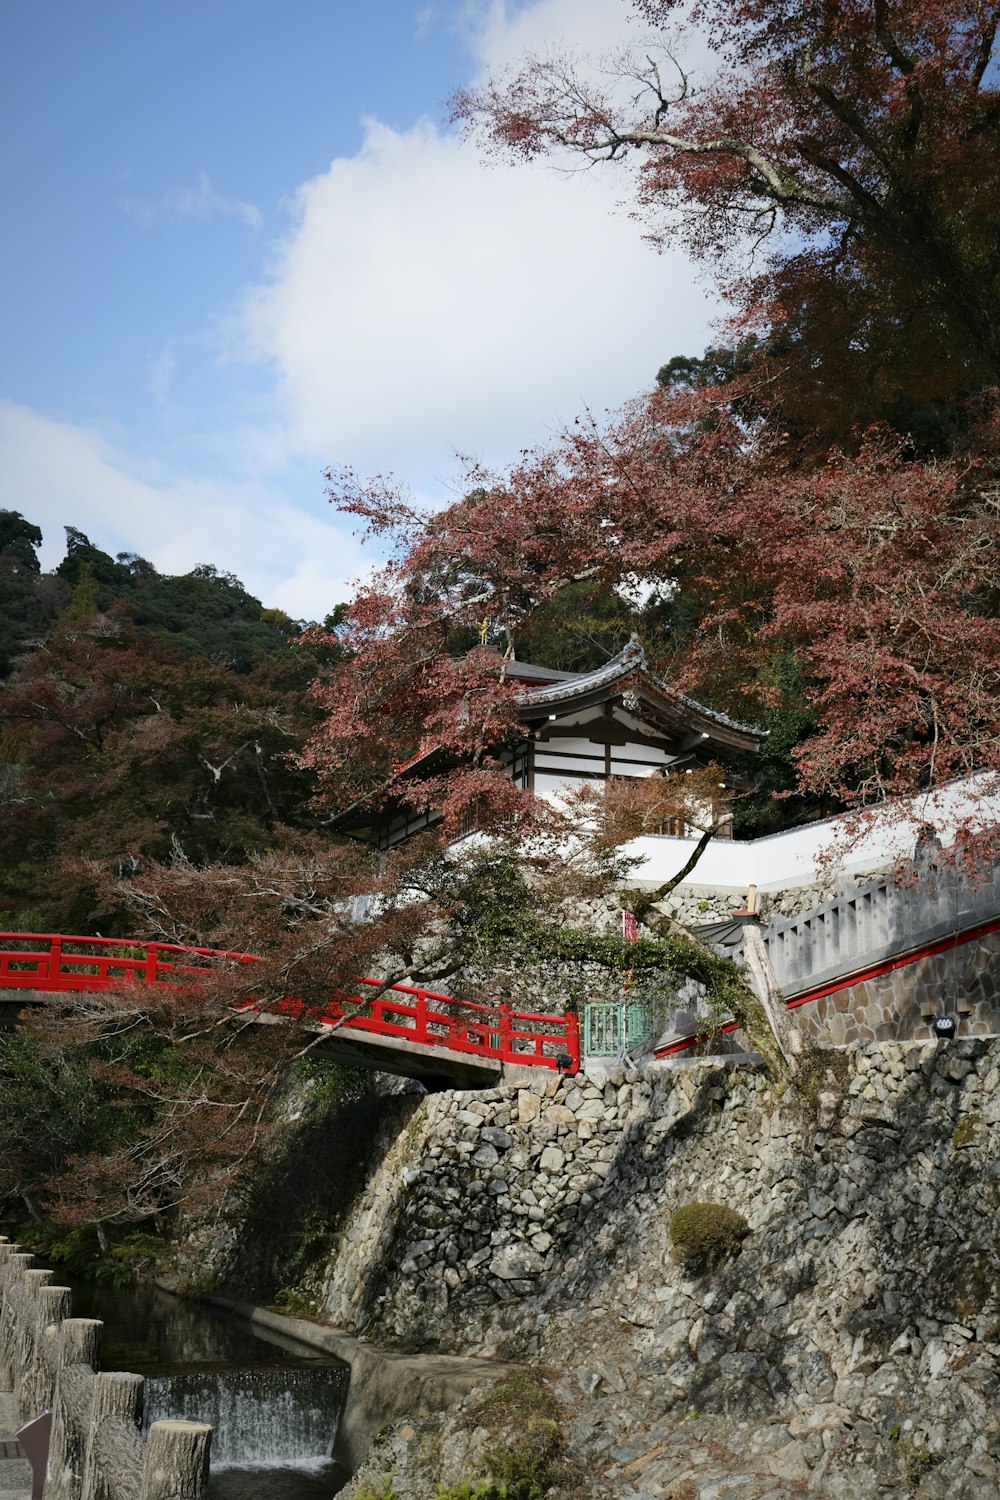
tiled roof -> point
(631, 659)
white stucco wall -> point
(847, 845)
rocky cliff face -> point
(849, 1349)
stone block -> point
(558, 1114)
(528, 1106)
(516, 1263)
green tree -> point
(25, 605)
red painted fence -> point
(53, 964)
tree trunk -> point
(772, 1001)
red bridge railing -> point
(54, 964)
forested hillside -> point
(140, 714)
(146, 721)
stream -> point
(274, 1404)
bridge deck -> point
(440, 1039)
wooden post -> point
(113, 1441)
(32, 1282)
(7, 1253)
(96, 1450)
(176, 1466)
(786, 1034)
(53, 1308)
(79, 1356)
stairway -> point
(867, 926)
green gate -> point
(613, 1027)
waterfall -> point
(261, 1415)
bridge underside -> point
(434, 1067)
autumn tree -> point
(117, 746)
(852, 148)
(876, 570)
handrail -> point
(844, 981)
(423, 1016)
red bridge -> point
(414, 1032)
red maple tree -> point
(853, 144)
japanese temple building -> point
(619, 720)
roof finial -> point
(634, 652)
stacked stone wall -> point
(962, 982)
(863, 1311)
(474, 1204)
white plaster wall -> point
(848, 844)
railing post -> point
(116, 1403)
(151, 963)
(505, 1030)
(53, 1304)
(55, 956)
(573, 1039)
(79, 1353)
(176, 1463)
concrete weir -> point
(383, 1386)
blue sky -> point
(242, 244)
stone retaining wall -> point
(963, 982)
(861, 1320)
(475, 1201)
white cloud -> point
(502, 33)
(62, 473)
(422, 303)
(426, 302)
(199, 202)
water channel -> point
(274, 1404)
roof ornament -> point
(633, 654)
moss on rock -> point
(704, 1233)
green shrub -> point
(528, 1467)
(293, 1304)
(527, 1455)
(79, 1252)
(702, 1234)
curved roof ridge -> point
(631, 658)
